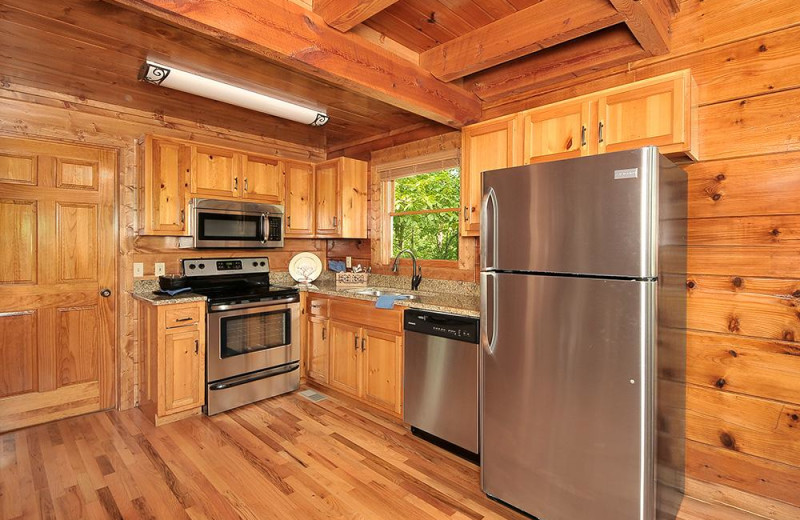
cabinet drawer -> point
(181, 315)
(366, 315)
(318, 306)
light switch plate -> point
(160, 269)
(348, 262)
(138, 269)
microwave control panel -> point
(212, 266)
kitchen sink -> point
(372, 291)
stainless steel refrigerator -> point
(582, 276)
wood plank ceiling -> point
(384, 70)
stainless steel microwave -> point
(222, 224)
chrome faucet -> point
(416, 276)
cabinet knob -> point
(323, 333)
(363, 344)
(236, 184)
(197, 346)
(355, 343)
(600, 132)
(466, 214)
(245, 184)
(105, 293)
(289, 221)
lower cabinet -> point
(362, 349)
(173, 348)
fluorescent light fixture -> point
(173, 78)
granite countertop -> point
(465, 304)
(143, 290)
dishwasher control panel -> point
(450, 326)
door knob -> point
(105, 293)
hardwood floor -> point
(283, 458)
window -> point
(423, 210)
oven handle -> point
(219, 307)
(249, 378)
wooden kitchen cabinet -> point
(345, 359)
(318, 349)
(559, 131)
(364, 350)
(658, 111)
(164, 170)
(341, 198)
(173, 356)
(485, 146)
(215, 172)
(299, 210)
(263, 179)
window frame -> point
(387, 191)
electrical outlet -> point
(138, 269)
(160, 269)
(348, 262)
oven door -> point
(251, 337)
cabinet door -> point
(485, 146)
(183, 376)
(215, 172)
(299, 199)
(558, 132)
(353, 193)
(345, 345)
(650, 113)
(318, 349)
(166, 181)
(328, 210)
(383, 369)
(263, 179)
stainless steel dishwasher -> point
(440, 379)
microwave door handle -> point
(263, 228)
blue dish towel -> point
(387, 300)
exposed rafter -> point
(648, 20)
(346, 14)
(539, 26)
(286, 33)
(590, 53)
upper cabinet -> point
(485, 146)
(263, 179)
(659, 111)
(299, 199)
(165, 167)
(328, 200)
(558, 132)
(341, 198)
(215, 172)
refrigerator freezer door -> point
(592, 215)
(563, 432)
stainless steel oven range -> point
(253, 331)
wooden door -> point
(263, 179)
(299, 199)
(184, 374)
(383, 369)
(57, 238)
(215, 172)
(326, 192)
(558, 132)
(345, 346)
(650, 113)
(353, 190)
(165, 177)
(318, 341)
(485, 146)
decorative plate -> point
(305, 267)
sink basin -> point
(371, 291)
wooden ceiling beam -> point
(537, 27)
(648, 20)
(343, 15)
(285, 33)
(590, 53)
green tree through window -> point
(425, 214)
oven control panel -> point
(212, 266)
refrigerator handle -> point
(488, 312)
(489, 230)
